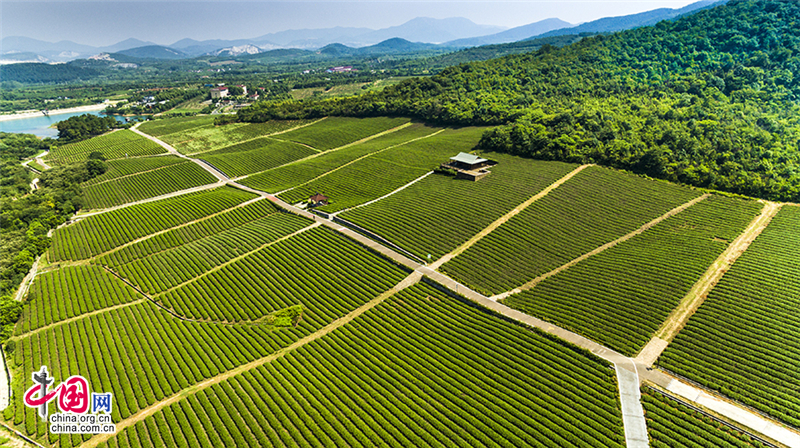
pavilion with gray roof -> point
(469, 166)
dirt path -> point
(531, 284)
(506, 217)
(237, 258)
(356, 160)
(392, 193)
(151, 235)
(74, 318)
(692, 301)
(155, 407)
(153, 199)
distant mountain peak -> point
(237, 50)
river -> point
(40, 125)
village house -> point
(219, 92)
(340, 69)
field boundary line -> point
(356, 160)
(410, 280)
(151, 235)
(319, 153)
(697, 295)
(237, 258)
(202, 238)
(80, 316)
(531, 284)
(134, 174)
(249, 139)
(393, 192)
(210, 186)
(491, 227)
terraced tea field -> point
(147, 355)
(114, 145)
(437, 214)
(95, 235)
(329, 280)
(439, 391)
(255, 155)
(621, 296)
(147, 184)
(227, 317)
(72, 291)
(593, 208)
(126, 167)
(293, 174)
(744, 341)
(382, 173)
(334, 132)
(171, 267)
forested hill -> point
(710, 99)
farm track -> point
(129, 243)
(697, 295)
(354, 161)
(80, 316)
(412, 279)
(489, 229)
(254, 138)
(237, 258)
(531, 284)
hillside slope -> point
(709, 100)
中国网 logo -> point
(74, 401)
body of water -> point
(40, 125)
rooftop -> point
(469, 159)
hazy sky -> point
(107, 22)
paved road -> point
(723, 407)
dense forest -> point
(82, 127)
(709, 100)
